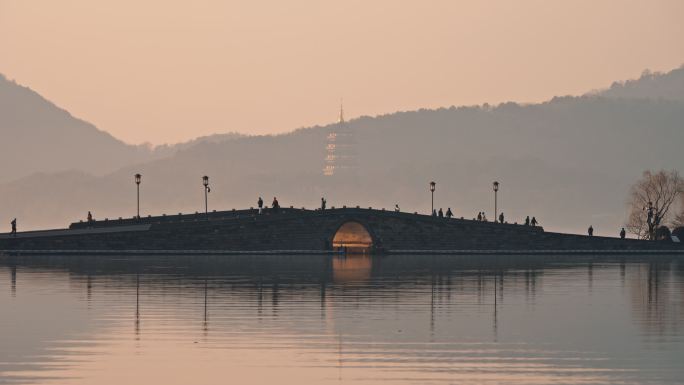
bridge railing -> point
(267, 212)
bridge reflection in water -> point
(312, 319)
(354, 268)
(354, 238)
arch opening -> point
(354, 237)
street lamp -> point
(495, 186)
(138, 179)
(432, 192)
(207, 189)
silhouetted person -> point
(434, 212)
(90, 217)
(440, 213)
(527, 221)
(623, 233)
(14, 227)
(396, 208)
(590, 230)
(275, 204)
(534, 221)
(479, 216)
(260, 204)
(449, 214)
(501, 218)
(323, 202)
(484, 217)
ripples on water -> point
(359, 320)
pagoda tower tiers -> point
(341, 152)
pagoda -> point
(340, 158)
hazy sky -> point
(166, 71)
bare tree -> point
(678, 221)
(651, 198)
(636, 223)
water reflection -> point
(353, 319)
(652, 292)
(137, 306)
(13, 279)
(352, 268)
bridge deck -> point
(302, 231)
(77, 231)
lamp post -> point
(432, 192)
(207, 189)
(138, 179)
(495, 186)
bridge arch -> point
(354, 236)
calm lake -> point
(355, 320)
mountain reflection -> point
(398, 318)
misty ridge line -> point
(568, 161)
(616, 89)
(145, 146)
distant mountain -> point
(651, 85)
(38, 136)
(569, 162)
(170, 149)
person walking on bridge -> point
(449, 214)
(527, 221)
(260, 204)
(396, 208)
(622, 233)
(590, 230)
(275, 204)
(501, 217)
(479, 216)
(323, 202)
(534, 221)
(14, 227)
(440, 213)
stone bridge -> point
(311, 231)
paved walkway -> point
(62, 232)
